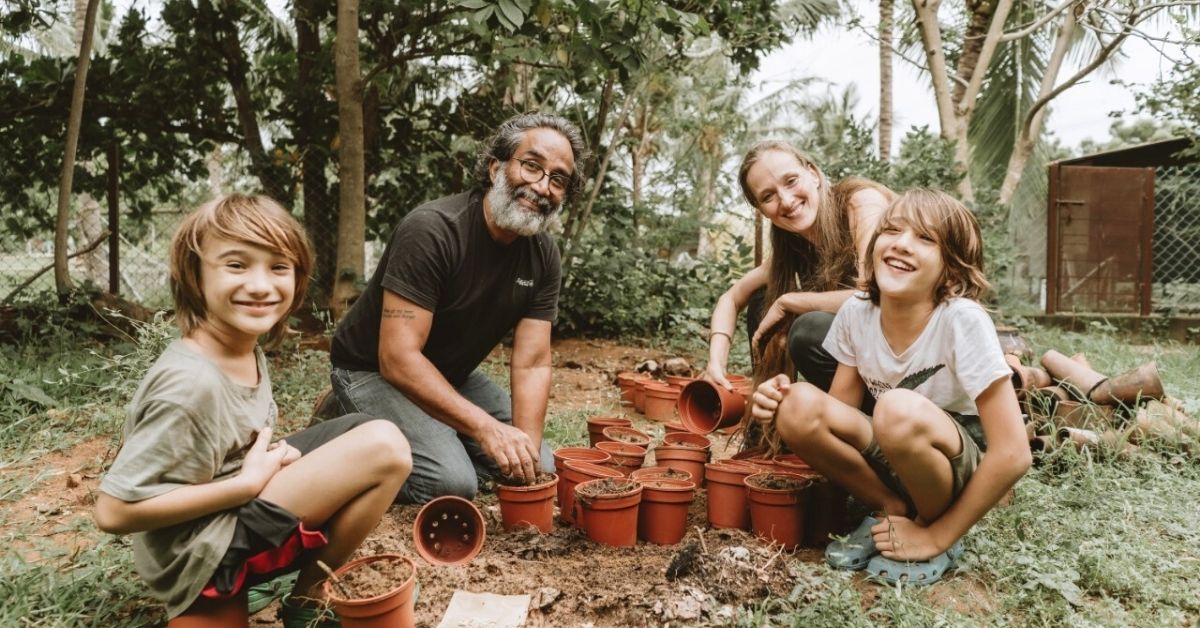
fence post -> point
(114, 232)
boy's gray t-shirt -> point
(188, 424)
(956, 357)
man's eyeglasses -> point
(532, 172)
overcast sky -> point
(842, 56)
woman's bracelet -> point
(719, 333)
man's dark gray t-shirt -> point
(442, 258)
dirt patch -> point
(372, 579)
(777, 482)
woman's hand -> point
(767, 397)
(715, 373)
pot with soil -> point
(664, 473)
(685, 457)
(675, 427)
(660, 402)
(705, 406)
(586, 454)
(625, 457)
(607, 510)
(777, 503)
(627, 380)
(597, 424)
(574, 472)
(374, 592)
(449, 531)
(663, 514)
(620, 434)
(727, 505)
(792, 463)
(528, 504)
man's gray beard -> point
(511, 215)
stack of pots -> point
(607, 510)
(663, 514)
(660, 401)
(686, 452)
(597, 424)
(571, 474)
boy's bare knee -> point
(389, 446)
(801, 413)
(899, 419)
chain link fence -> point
(1176, 266)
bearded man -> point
(458, 274)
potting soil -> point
(373, 579)
(780, 482)
(541, 478)
(607, 486)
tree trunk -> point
(62, 274)
(351, 203)
(319, 214)
(886, 19)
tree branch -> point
(84, 251)
(967, 104)
(1038, 23)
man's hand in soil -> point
(512, 450)
(767, 397)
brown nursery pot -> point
(1077, 377)
(660, 402)
(687, 439)
(574, 472)
(705, 406)
(586, 454)
(792, 463)
(449, 531)
(391, 609)
(825, 512)
(1011, 342)
(727, 505)
(1141, 383)
(679, 381)
(675, 427)
(219, 614)
(625, 457)
(627, 380)
(607, 510)
(661, 473)
(597, 424)
(621, 434)
(532, 504)
(777, 502)
(639, 393)
(684, 458)
(1083, 415)
(1026, 379)
(663, 514)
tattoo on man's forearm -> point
(406, 314)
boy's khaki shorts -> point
(962, 466)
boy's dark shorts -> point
(962, 466)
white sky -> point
(843, 56)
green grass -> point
(1089, 539)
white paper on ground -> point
(480, 610)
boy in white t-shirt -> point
(927, 352)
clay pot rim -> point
(527, 490)
(612, 444)
(670, 485)
(341, 601)
(627, 430)
(668, 452)
(587, 454)
(473, 513)
(650, 472)
(749, 481)
(609, 501)
(657, 387)
(687, 437)
(585, 467)
(610, 421)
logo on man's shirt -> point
(528, 283)
(909, 382)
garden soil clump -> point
(541, 478)
(607, 486)
(373, 579)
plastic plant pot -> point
(687, 439)
(705, 406)
(679, 381)
(609, 517)
(684, 458)
(597, 424)
(528, 505)
(792, 463)
(825, 512)
(627, 380)
(675, 427)
(586, 454)
(777, 505)
(639, 393)
(660, 402)
(391, 609)
(572, 473)
(621, 434)
(666, 473)
(1079, 379)
(449, 531)
(663, 514)
(625, 457)
(727, 504)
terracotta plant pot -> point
(663, 473)
(391, 609)
(736, 379)
(619, 434)
(825, 512)
(792, 463)
(449, 531)
(675, 427)
(627, 380)
(1141, 383)
(705, 406)
(679, 381)
(1076, 377)
(688, 439)
(574, 472)
(639, 393)
(777, 513)
(1083, 415)
(1026, 379)
(1011, 343)
(660, 402)
(586, 454)
(528, 505)
(597, 424)
(663, 514)
(625, 457)
(727, 505)
(684, 458)
(608, 510)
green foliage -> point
(926, 159)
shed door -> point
(1100, 223)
